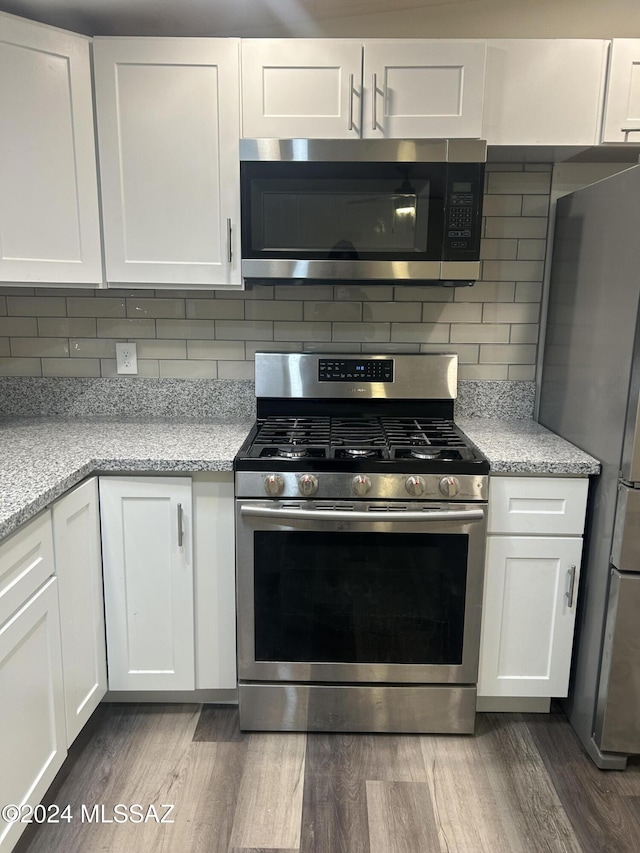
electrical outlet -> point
(126, 358)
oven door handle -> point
(356, 515)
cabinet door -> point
(148, 582)
(530, 592)
(32, 734)
(214, 575)
(26, 561)
(622, 109)
(76, 533)
(168, 135)
(49, 223)
(308, 88)
(544, 91)
(423, 88)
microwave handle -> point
(355, 515)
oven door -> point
(359, 592)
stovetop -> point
(368, 443)
(354, 427)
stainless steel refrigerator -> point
(590, 395)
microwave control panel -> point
(463, 212)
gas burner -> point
(426, 452)
(360, 452)
(292, 452)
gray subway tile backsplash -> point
(193, 334)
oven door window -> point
(359, 598)
(303, 211)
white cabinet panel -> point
(416, 89)
(76, 530)
(168, 131)
(215, 601)
(544, 91)
(529, 610)
(26, 561)
(308, 88)
(49, 222)
(32, 735)
(320, 88)
(148, 582)
(622, 110)
(545, 505)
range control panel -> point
(358, 370)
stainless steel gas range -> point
(360, 527)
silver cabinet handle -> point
(355, 515)
(572, 584)
(374, 87)
(180, 526)
(229, 243)
(350, 101)
(630, 129)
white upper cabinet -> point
(168, 132)
(301, 88)
(544, 91)
(622, 111)
(330, 88)
(417, 89)
(49, 221)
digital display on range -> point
(360, 370)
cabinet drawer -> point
(546, 505)
(26, 561)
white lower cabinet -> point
(529, 615)
(169, 582)
(147, 551)
(76, 533)
(32, 725)
(531, 586)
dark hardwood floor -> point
(521, 784)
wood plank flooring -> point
(521, 784)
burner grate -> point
(359, 439)
(422, 432)
(357, 432)
(293, 431)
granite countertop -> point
(525, 447)
(41, 458)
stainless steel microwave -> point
(378, 210)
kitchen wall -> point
(493, 326)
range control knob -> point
(361, 485)
(273, 485)
(308, 485)
(415, 486)
(449, 487)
